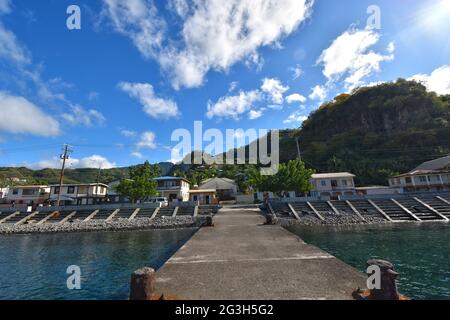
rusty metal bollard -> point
(388, 289)
(388, 285)
(209, 221)
(142, 286)
(271, 219)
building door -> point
(207, 200)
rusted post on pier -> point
(209, 221)
(387, 284)
(142, 286)
(271, 219)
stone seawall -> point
(101, 225)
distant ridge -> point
(86, 175)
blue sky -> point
(137, 70)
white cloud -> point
(233, 86)
(5, 6)
(233, 106)
(214, 35)
(438, 81)
(296, 72)
(137, 154)
(391, 47)
(80, 116)
(255, 114)
(18, 115)
(153, 105)
(295, 98)
(11, 49)
(318, 93)
(94, 161)
(275, 106)
(295, 117)
(349, 57)
(181, 7)
(147, 141)
(27, 74)
(128, 133)
(275, 89)
(138, 20)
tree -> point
(292, 176)
(141, 184)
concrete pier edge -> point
(242, 259)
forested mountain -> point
(376, 132)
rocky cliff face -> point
(385, 108)
(377, 131)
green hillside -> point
(51, 176)
(376, 132)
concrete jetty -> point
(242, 259)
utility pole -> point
(64, 157)
(298, 149)
(98, 181)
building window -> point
(344, 183)
(71, 190)
(334, 183)
(408, 180)
(29, 192)
(15, 191)
(56, 191)
(323, 183)
(83, 190)
(422, 179)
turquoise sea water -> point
(34, 266)
(420, 253)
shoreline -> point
(138, 224)
(377, 223)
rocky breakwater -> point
(331, 220)
(101, 225)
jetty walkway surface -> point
(241, 259)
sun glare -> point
(446, 4)
(435, 16)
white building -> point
(79, 194)
(226, 189)
(3, 193)
(376, 191)
(173, 188)
(333, 185)
(28, 195)
(430, 176)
